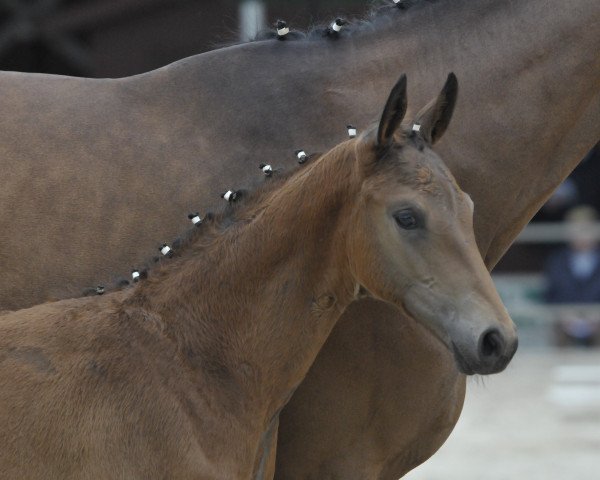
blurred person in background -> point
(581, 187)
(573, 277)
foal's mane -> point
(381, 14)
(212, 230)
(232, 213)
(214, 225)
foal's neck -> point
(256, 305)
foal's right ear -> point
(435, 117)
(393, 113)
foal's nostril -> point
(492, 344)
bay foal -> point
(183, 376)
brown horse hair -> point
(382, 12)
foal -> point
(184, 375)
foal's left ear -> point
(393, 113)
(435, 117)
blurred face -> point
(582, 236)
(417, 250)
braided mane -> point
(381, 14)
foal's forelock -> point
(421, 177)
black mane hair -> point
(381, 14)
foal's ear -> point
(435, 117)
(393, 113)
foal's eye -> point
(406, 220)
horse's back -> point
(90, 168)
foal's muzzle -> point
(494, 352)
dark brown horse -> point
(184, 375)
(96, 172)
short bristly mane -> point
(214, 225)
(202, 239)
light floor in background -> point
(538, 420)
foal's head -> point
(413, 243)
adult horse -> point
(184, 375)
(96, 172)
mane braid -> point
(213, 225)
(381, 14)
(231, 213)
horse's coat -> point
(184, 375)
(85, 192)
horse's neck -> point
(529, 103)
(259, 302)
